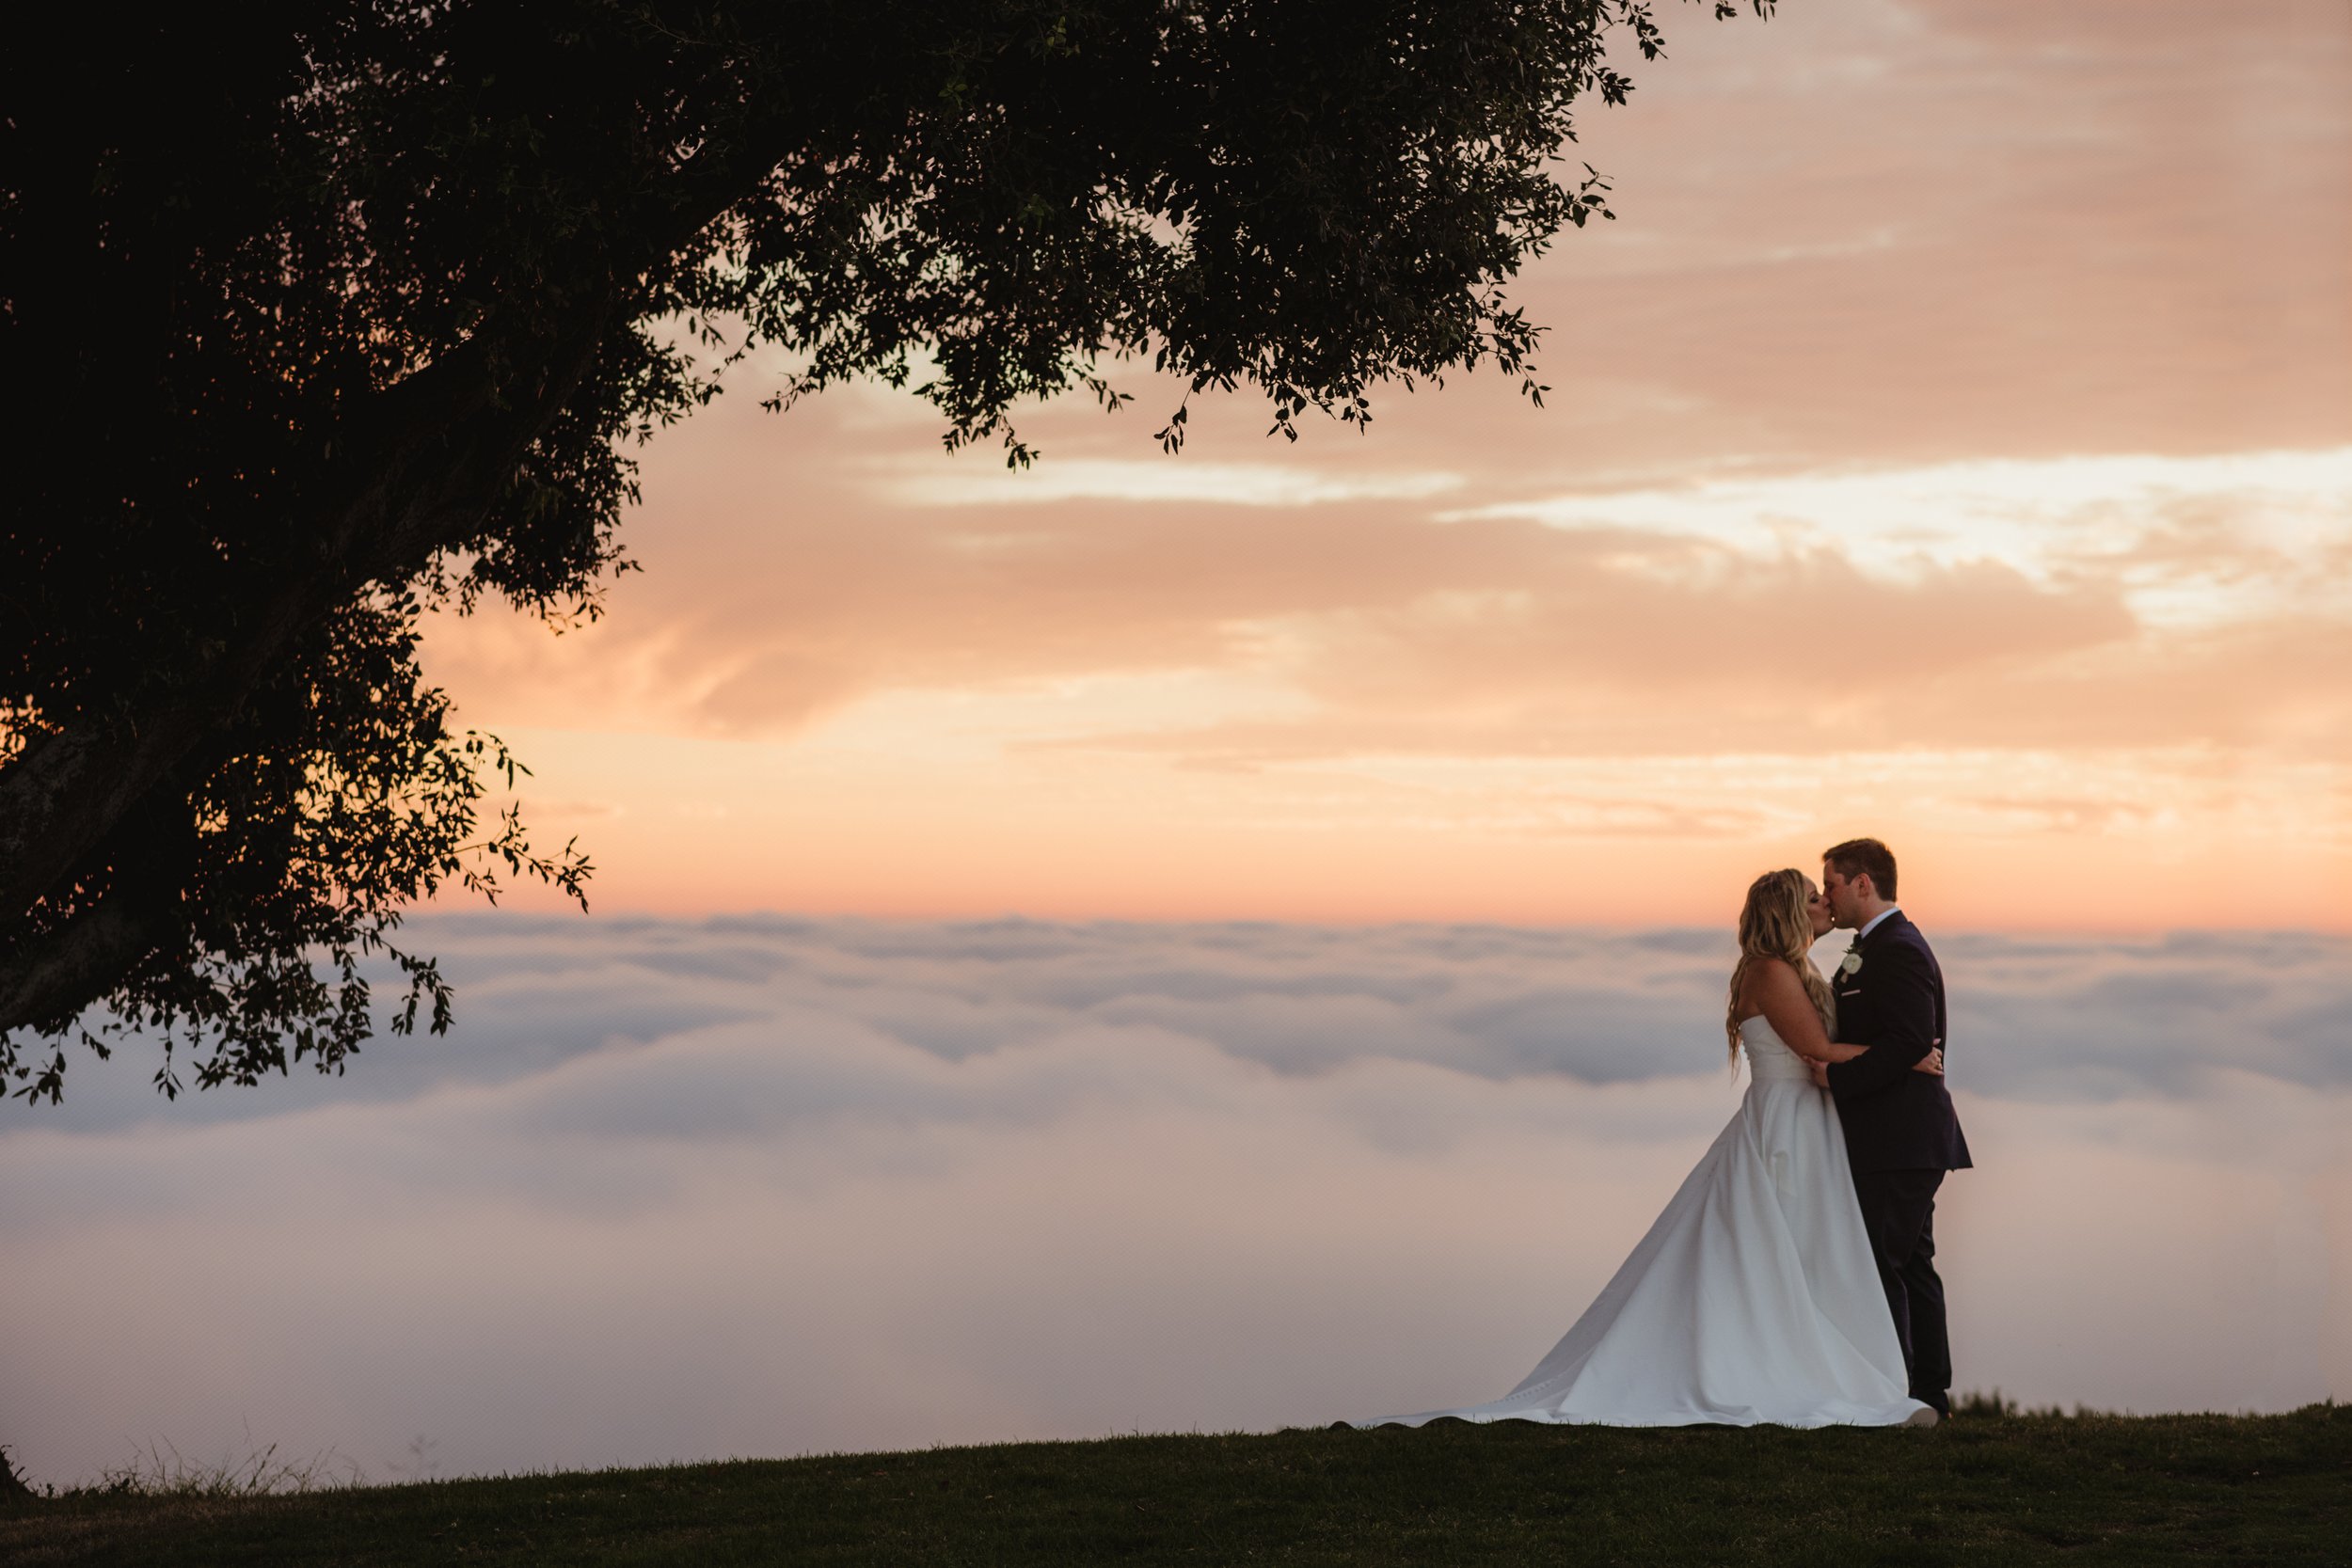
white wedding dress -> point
(1753, 1300)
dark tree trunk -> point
(446, 443)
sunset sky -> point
(1950, 440)
(1238, 939)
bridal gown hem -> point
(1753, 1300)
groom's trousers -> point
(1898, 1212)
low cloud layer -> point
(764, 1185)
(786, 1002)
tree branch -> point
(447, 451)
(55, 976)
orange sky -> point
(1952, 439)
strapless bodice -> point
(1768, 1057)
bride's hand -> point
(1931, 1062)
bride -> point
(1753, 1298)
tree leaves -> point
(366, 312)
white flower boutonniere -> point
(1851, 963)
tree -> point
(338, 312)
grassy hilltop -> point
(2273, 1490)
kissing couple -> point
(1791, 1279)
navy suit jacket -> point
(1895, 1118)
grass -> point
(1991, 1487)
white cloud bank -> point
(761, 1186)
(2190, 542)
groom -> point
(1902, 1135)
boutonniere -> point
(1851, 963)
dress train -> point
(1754, 1299)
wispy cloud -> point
(1149, 479)
(2185, 541)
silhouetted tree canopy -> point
(321, 314)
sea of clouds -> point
(765, 1185)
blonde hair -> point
(1774, 924)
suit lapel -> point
(1853, 990)
(1847, 987)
